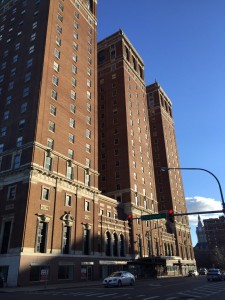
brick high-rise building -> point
(125, 156)
(169, 185)
(125, 159)
(52, 217)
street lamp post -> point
(200, 169)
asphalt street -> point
(166, 289)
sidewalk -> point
(45, 287)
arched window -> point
(107, 244)
(115, 244)
(86, 240)
(122, 252)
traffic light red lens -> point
(170, 211)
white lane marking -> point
(107, 295)
(89, 295)
(189, 295)
(154, 297)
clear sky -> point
(182, 43)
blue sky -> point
(182, 43)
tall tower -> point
(125, 156)
(169, 185)
(48, 142)
(200, 232)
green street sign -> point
(154, 216)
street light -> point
(200, 169)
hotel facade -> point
(69, 176)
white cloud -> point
(201, 204)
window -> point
(87, 205)
(1, 148)
(50, 143)
(45, 194)
(11, 195)
(74, 69)
(72, 123)
(27, 77)
(15, 58)
(75, 35)
(89, 95)
(88, 133)
(73, 81)
(72, 108)
(51, 126)
(66, 240)
(88, 148)
(33, 37)
(101, 56)
(8, 100)
(89, 71)
(34, 25)
(6, 236)
(73, 95)
(76, 15)
(56, 66)
(3, 131)
(3, 65)
(19, 141)
(89, 107)
(69, 171)
(1, 78)
(29, 63)
(68, 200)
(52, 110)
(41, 240)
(89, 61)
(59, 29)
(11, 85)
(75, 46)
(6, 115)
(88, 120)
(58, 41)
(88, 163)
(74, 57)
(88, 82)
(76, 25)
(21, 124)
(23, 107)
(48, 163)
(71, 138)
(70, 153)
(61, 7)
(16, 161)
(55, 80)
(60, 17)
(31, 49)
(57, 53)
(54, 95)
(26, 91)
(86, 241)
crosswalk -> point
(201, 292)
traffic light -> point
(170, 216)
(129, 219)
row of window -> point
(73, 96)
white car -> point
(119, 278)
(193, 273)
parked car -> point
(202, 271)
(119, 278)
(192, 273)
(215, 274)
